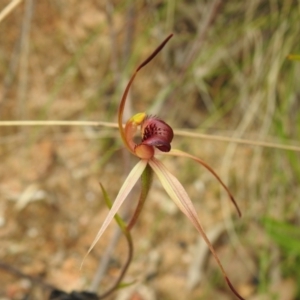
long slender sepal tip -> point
(236, 206)
(154, 53)
(233, 289)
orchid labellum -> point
(155, 138)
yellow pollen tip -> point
(138, 118)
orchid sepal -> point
(179, 195)
(127, 186)
(117, 218)
(176, 152)
(121, 111)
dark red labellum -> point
(157, 133)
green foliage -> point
(287, 237)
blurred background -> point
(224, 73)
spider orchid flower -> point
(156, 138)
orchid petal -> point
(158, 133)
(158, 142)
(127, 186)
(176, 152)
(178, 194)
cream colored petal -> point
(127, 186)
(178, 194)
